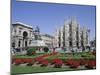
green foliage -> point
(30, 69)
(31, 51)
(46, 49)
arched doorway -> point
(25, 34)
(19, 44)
(25, 43)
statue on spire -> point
(37, 33)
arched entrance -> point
(19, 44)
(25, 34)
(25, 43)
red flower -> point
(28, 60)
(22, 60)
(90, 64)
(18, 61)
(57, 62)
(44, 63)
(39, 59)
(69, 62)
(73, 63)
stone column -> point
(67, 36)
(16, 43)
(61, 36)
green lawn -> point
(31, 69)
(61, 55)
(64, 56)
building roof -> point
(22, 24)
(47, 35)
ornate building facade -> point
(21, 35)
(24, 36)
(48, 39)
(71, 35)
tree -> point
(46, 49)
(64, 49)
(31, 51)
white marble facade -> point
(71, 35)
(21, 35)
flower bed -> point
(57, 63)
(73, 63)
(38, 60)
(82, 61)
(44, 63)
(90, 64)
(57, 60)
(18, 61)
(27, 60)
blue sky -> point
(48, 16)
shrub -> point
(46, 49)
(31, 51)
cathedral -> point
(72, 36)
